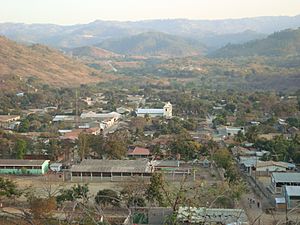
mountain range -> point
(154, 44)
(213, 33)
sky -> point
(68, 12)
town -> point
(150, 155)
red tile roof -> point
(139, 151)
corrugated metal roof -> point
(286, 177)
(150, 111)
(114, 166)
(292, 190)
(211, 215)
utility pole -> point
(76, 108)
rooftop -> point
(292, 190)
(286, 177)
(127, 166)
(139, 151)
(21, 162)
(150, 111)
(206, 215)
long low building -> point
(24, 167)
(91, 169)
(279, 180)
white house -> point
(166, 112)
(230, 131)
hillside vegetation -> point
(20, 62)
(91, 52)
(279, 44)
(154, 44)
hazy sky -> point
(84, 11)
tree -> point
(252, 134)
(8, 188)
(223, 158)
(20, 148)
(136, 202)
(107, 197)
(42, 209)
(185, 146)
(154, 193)
(83, 142)
(115, 149)
(24, 126)
(240, 137)
(77, 192)
(230, 107)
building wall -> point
(19, 171)
(150, 114)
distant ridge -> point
(154, 44)
(284, 43)
(95, 32)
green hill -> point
(284, 43)
(154, 44)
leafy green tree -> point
(107, 197)
(136, 202)
(77, 192)
(252, 134)
(8, 188)
(185, 147)
(20, 148)
(24, 126)
(154, 193)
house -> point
(139, 152)
(265, 168)
(166, 165)
(292, 196)
(230, 131)
(7, 120)
(279, 180)
(166, 112)
(64, 118)
(107, 118)
(74, 134)
(20, 94)
(95, 170)
(193, 215)
(29, 167)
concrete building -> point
(29, 167)
(166, 112)
(93, 170)
(279, 180)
